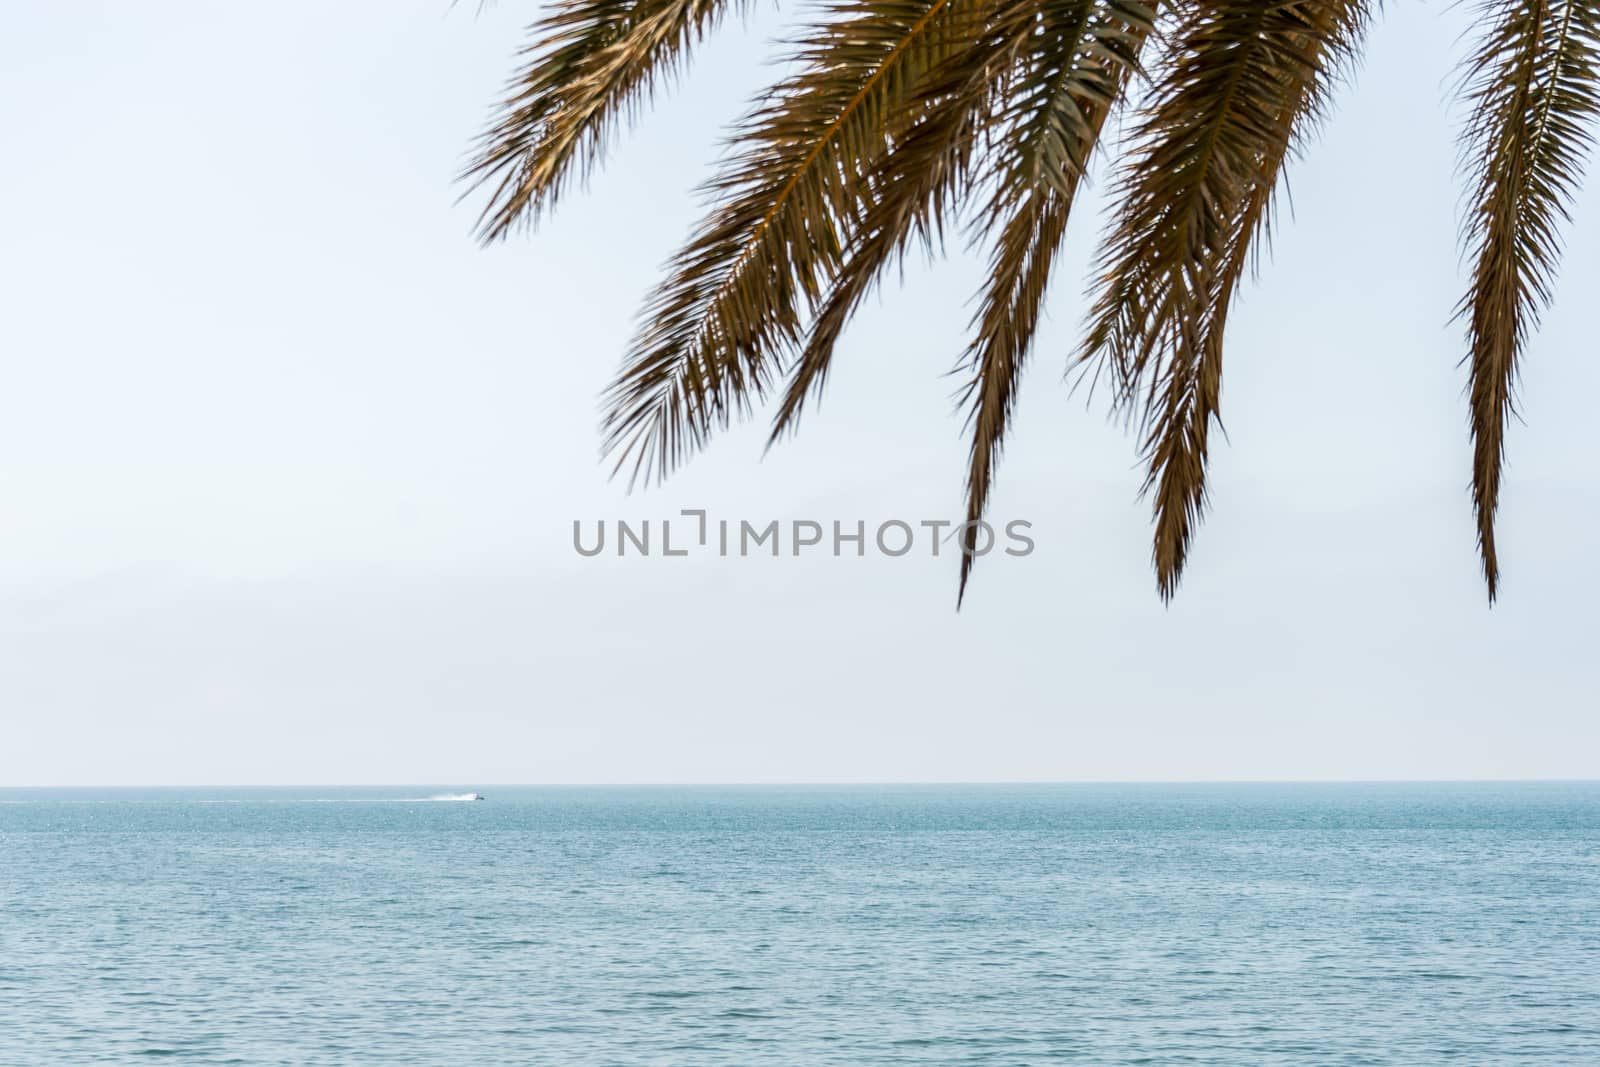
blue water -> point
(1228, 925)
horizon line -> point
(814, 783)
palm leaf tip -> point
(589, 68)
(1533, 83)
(727, 320)
(1245, 83)
(909, 190)
(1073, 72)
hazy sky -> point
(288, 465)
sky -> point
(289, 464)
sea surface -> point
(776, 926)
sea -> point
(780, 926)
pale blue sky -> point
(288, 464)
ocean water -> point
(776, 926)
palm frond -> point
(911, 187)
(1243, 84)
(591, 65)
(730, 312)
(1534, 86)
(899, 112)
(1079, 63)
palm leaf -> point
(1081, 59)
(900, 111)
(592, 63)
(909, 190)
(731, 310)
(1534, 86)
(1244, 82)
